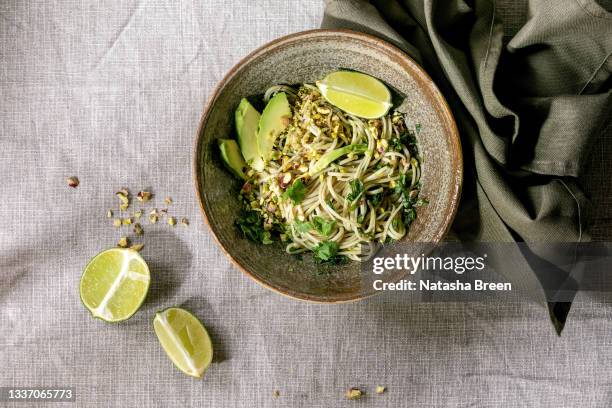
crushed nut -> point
(354, 393)
(72, 182)
(123, 242)
(137, 247)
(276, 393)
(117, 222)
(163, 211)
(123, 195)
(171, 221)
(109, 214)
(143, 196)
(152, 218)
(185, 221)
(168, 200)
(380, 389)
(138, 229)
(138, 214)
(127, 221)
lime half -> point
(184, 339)
(114, 284)
(356, 93)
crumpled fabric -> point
(529, 108)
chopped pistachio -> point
(276, 393)
(123, 242)
(354, 393)
(152, 218)
(138, 229)
(72, 182)
(117, 222)
(380, 389)
(137, 247)
(109, 214)
(138, 214)
(185, 221)
(153, 212)
(171, 221)
(143, 196)
(127, 221)
(168, 200)
(123, 195)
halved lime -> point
(114, 284)
(184, 339)
(356, 93)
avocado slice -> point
(232, 158)
(275, 117)
(335, 154)
(247, 120)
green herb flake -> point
(250, 224)
(296, 192)
(356, 190)
(326, 251)
(323, 226)
(302, 226)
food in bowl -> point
(329, 168)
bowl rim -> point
(403, 59)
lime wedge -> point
(356, 93)
(114, 284)
(184, 339)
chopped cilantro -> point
(326, 251)
(323, 226)
(356, 190)
(251, 225)
(296, 192)
(302, 226)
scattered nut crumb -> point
(163, 211)
(127, 221)
(117, 222)
(138, 214)
(380, 389)
(276, 393)
(152, 218)
(168, 200)
(109, 214)
(72, 182)
(123, 242)
(143, 196)
(124, 196)
(137, 247)
(138, 229)
(171, 221)
(354, 393)
(185, 221)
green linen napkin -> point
(528, 109)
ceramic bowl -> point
(307, 57)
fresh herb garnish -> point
(251, 225)
(376, 199)
(326, 251)
(302, 226)
(356, 190)
(296, 192)
(323, 226)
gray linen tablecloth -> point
(112, 92)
